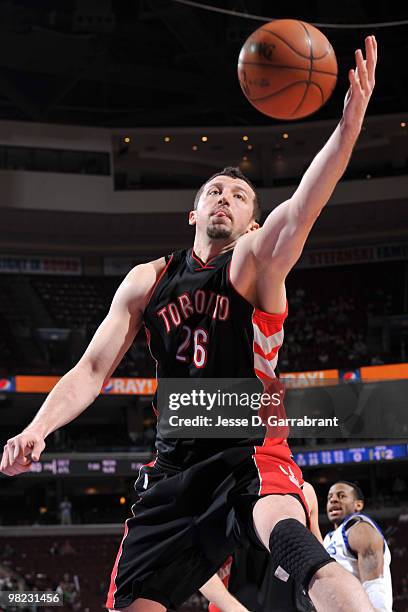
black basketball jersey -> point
(197, 325)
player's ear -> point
(252, 226)
(359, 505)
(192, 217)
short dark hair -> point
(233, 172)
(358, 493)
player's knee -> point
(296, 553)
(271, 509)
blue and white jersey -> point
(337, 545)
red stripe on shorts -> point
(110, 601)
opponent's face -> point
(225, 209)
(341, 502)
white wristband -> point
(375, 590)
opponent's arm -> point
(82, 384)
(273, 250)
(368, 545)
(216, 592)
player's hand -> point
(19, 452)
(362, 81)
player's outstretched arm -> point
(81, 385)
(216, 592)
(281, 239)
(262, 259)
(368, 544)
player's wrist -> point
(40, 431)
(350, 130)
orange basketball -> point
(287, 69)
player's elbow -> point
(90, 372)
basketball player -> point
(358, 544)
(216, 310)
(244, 583)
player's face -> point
(341, 502)
(225, 209)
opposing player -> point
(216, 310)
(245, 582)
(357, 543)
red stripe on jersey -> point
(162, 273)
(269, 323)
(110, 601)
(203, 266)
(262, 376)
(268, 356)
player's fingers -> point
(11, 471)
(21, 460)
(10, 454)
(8, 471)
(3, 463)
(375, 47)
(16, 449)
(37, 450)
(362, 70)
(15, 470)
(353, 81)
(371, 58)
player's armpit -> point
(261, 285)
(368, 544)
(262, 259)
(278, 245)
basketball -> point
(287, 69)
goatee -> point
(218, 232)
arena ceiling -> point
(162, 62)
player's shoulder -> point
(144, 277)
(362, 528)
(146, 271)
(356, 519)
(134, 290)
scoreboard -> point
(111, 465)
(358, 454)
(100, 466)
